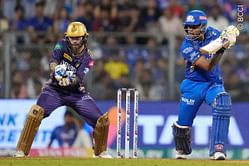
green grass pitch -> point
(66, 161)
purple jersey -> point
(79, 65)
(53, 95)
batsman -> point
(202, 49)
(70, 62)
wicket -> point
(127, 122)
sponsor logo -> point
(193, 55)
(187, 50)
(69, 66)
(203, 18)
(68, 57)
(188, 101)
(157, 131)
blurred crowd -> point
(130, 41)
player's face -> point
(76, 43)
(193, 31)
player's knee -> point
(36, 112)
(103, 120)
(222, 104)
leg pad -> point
(100, 134)
(221, 118)
(182, 137)
(31, 126)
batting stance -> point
(202, 49)
(70, 62)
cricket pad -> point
(31, 126)
(100, 134)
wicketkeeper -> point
(70, 62)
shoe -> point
(181, 156)
(104, 154)
(20, 154)
(218, 156)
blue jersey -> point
(65, 136)
(190, 52)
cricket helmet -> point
(196, 18)
(76, 29)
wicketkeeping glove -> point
(65, 81)
(68, 79)
(60, 71)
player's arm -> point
(56, 56)
(207, 65)
(227, 39)
(84, 68)
(59, 71)
(52, 66)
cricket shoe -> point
(218, 156)
(104, 154)
(181, 156)
(20, 154)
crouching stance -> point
(70, 62)
(202, 49)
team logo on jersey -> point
(68, 57)
(190, 18)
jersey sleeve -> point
(190, 53)
(215, 33)
(84, 67)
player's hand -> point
(60, 71)
(229, 34)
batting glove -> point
(230, 34)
